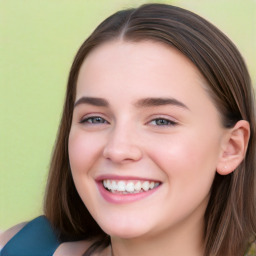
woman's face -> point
(145, 139)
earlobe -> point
(234, 148)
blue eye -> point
(94, 120)
(162, 122)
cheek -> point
(187, 158)
(82, 151)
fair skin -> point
(142, 114)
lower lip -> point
(123, 198)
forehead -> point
(138, 51)
(116, 61)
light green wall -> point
(38, 40)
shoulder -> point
(72, 248)
(5, 236)
(79, 248)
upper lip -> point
(118, 177)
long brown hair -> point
(230, 215)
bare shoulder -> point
(78, 248)
(5, 236)
(72, 248)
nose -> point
(122, 146)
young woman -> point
(156, 148)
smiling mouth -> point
(129, 186)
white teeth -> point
(137, 186)
(108, 184)
(121, 186)
(145, 185)
(129, 186)
(114, 185)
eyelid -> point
(172, 121)
(91, 116)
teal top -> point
(37, 238)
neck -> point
(180, 241)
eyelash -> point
(94, 120)
(89, 120)
(164, 122)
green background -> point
(38, 40)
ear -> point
(234, 147)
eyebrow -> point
(92, 101)
(147, 102)
(152, 102)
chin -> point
(125, 231)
